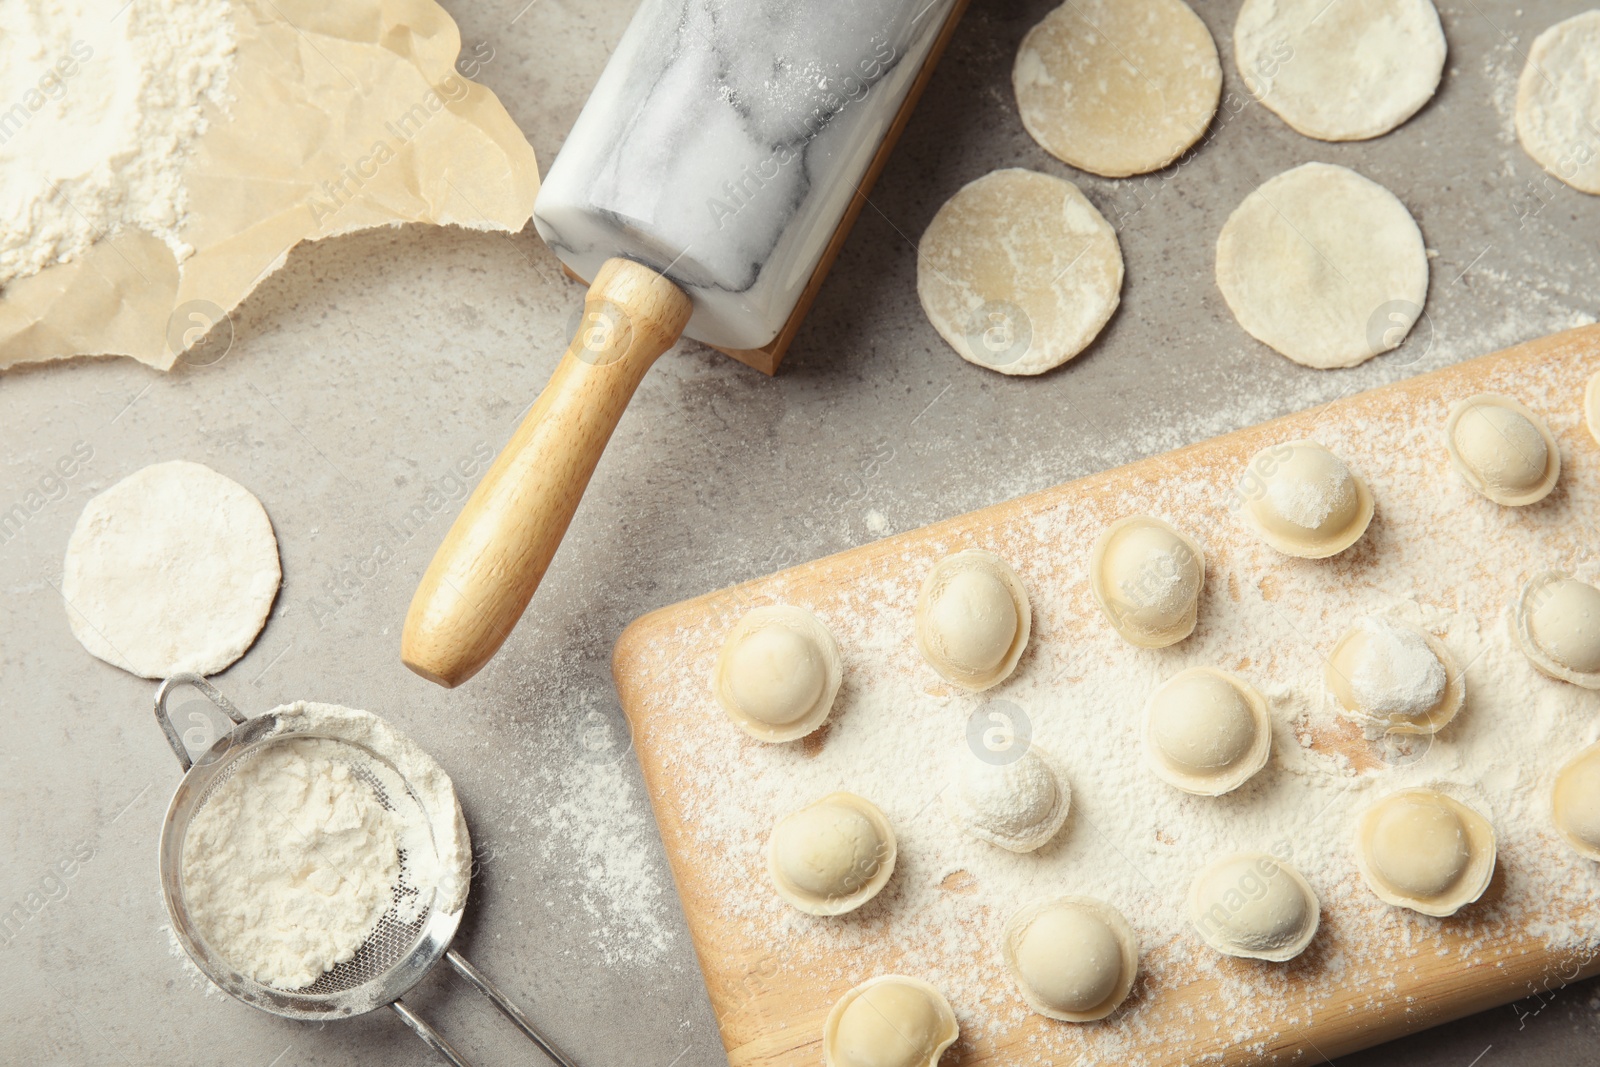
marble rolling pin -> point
(704, 188)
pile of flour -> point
(100, 107)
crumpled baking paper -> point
(342, 116)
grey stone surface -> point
(361, 373)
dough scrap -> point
(1558, 102)
(1018, 272)
(1341, 71)
(172, 569)
(1117, 87)
(1323, 265)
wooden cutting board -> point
(772, 979)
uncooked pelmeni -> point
(890, 1021)
(1305, 501)
(778, 673)
(1018, 272)
(1575, 802)
(1426, 851)
(1340, 71)
(1324, 266)
(1117, 87)
(1558, 101)
(1206, 731)
(1146, 576)
(1557, 623)
(1502, 449)
(1016, 801)
(832, 856)
(1073, 958)
(1591, 406)
(1394, 678)
(1254, 906)
(972, 619)
(172, 569)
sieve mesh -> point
(401, 926)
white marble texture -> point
(723, 142)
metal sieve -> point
(401, 949)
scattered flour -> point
(1437, 556)
(100, 106)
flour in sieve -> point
(100, 107)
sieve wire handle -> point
(481, 983)
(164, 717)
(429, 1035)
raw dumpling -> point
(973, 619)
(1591, 406)
(1206, 731)
(1557, 623)
(1073, 958)
(1254, 906)
(1394, 677)
(778, 673)
(1018, 804)
(1575, 802)
(890, 1021)
(833, 856)
(1304, 501)
(1503, 450)
(1422, 850)
(1146, 576)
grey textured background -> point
(361, 372)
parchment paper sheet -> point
(341, 116)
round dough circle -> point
(1018, 272)
(172, 569)
(1117, 87)
(1324, 266)
(1340, 72)
(1073, 958)
(1558, 99)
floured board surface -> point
(1436, 554)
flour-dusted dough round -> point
(1073, 958)
(1255, 906)
(1341, 71)
(1019, 804)
(172, 569)
(972, 619)
(778, 673)
(1323, 265)
(1146, 576)
(1426, 851)
(1557, 622)
(1575, 802)
(1117, 87)
(1206, 731)
(1558, 101)
(890, 1021)
(1502, 449)
(1018, 272)
(833, 856)
(1395, 678)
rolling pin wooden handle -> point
(494, 556)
